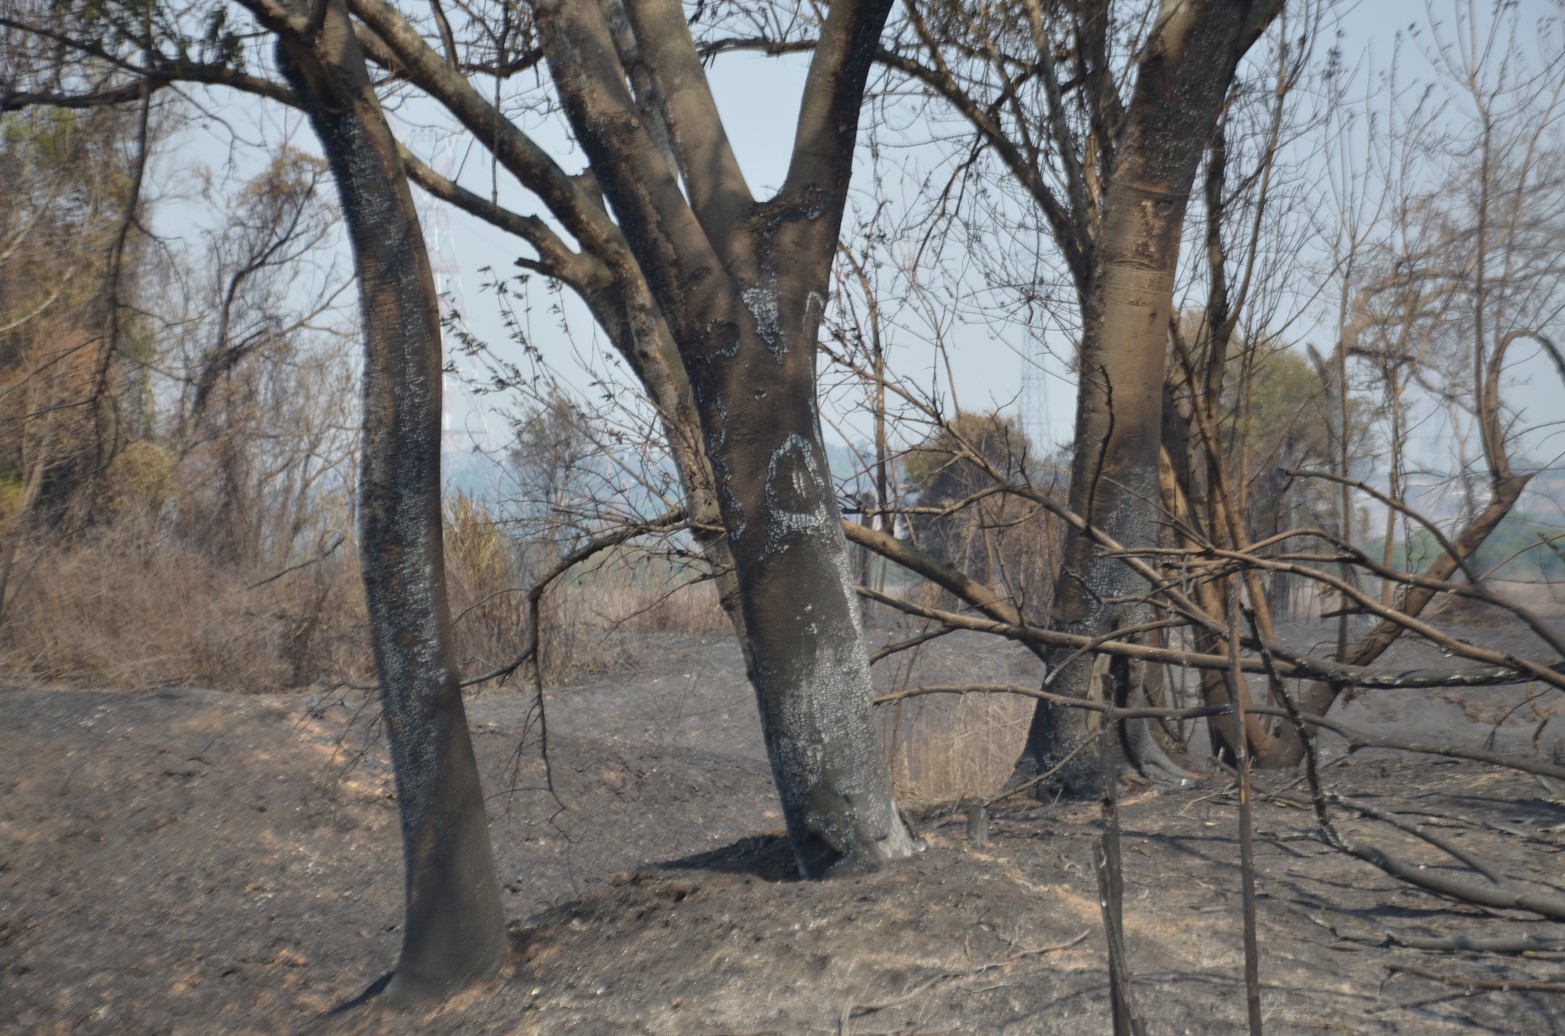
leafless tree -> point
(712, 297)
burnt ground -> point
(192, 861)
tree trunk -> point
(805, 648)
(1183, 76)
(792, 601)
(454, 931)
(740, 285)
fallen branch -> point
(1422, 833)
(1357, 741)
(1451, 943)
(1544, 904)
(852, 1009)
(1287, 664)
(1483, 985)
(1505, 895)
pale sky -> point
(758, 98)
(989, 370)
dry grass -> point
(580, 621)
(942, 749)
(125, 611)
(139, 611)
(579, 614)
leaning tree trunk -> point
(1187, 64)
(454, 931)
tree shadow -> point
(321, 1022)
(768, 857)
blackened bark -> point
(805, 649)
(603, 273)
(1182, 78)
(706, 261)
(741, 287)
(454, 931)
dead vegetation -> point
(132, 608)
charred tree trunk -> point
(1183, 76)
(454, 931)
(741, 287)
(805, 649)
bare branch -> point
(711, 172)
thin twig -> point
(1031, 783)
(852, 1008)
(1241, 750)
(1140, 712)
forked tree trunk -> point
(740, 286)
(705, 265)
(1182, 78)
(454, 930)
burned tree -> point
(741, 285)
(454, 929)
(677, 288)
(1186, 65)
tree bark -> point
(741, 286)
(1187, 65)
(454, 931)
(604, 274)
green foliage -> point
(13, 488)
(41, 136)
(1281, 408)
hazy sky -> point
(991, 367)
(758, 98)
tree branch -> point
(581, 214)
(833, 95)
(711, 172)
(669, 243)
